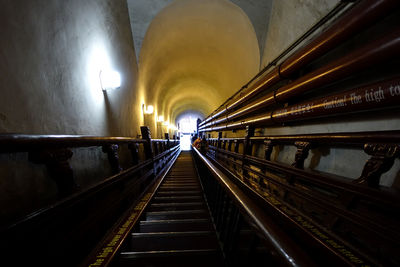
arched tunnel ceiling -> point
(142, 12)
(195, 55)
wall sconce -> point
(148, 110)
(109, 79)
(160, 119)
(166, 123)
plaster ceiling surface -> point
(142, 12)
(195, 55)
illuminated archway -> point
(196, 54)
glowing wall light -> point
(166, 123)
(110, 79)
(148, 110)
(160, 118)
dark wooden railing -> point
(63, 233)
(361, 16)
(336, 219)
(351, 67)
(384, 48)
(247, 233)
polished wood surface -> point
(64, 232)
(344, 219)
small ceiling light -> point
(160, 118)
(148, 110)
(110, 79)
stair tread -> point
(179, 197)
(174, 221)
(176, 204)
(176, 228)
(179, 192)
(185, 233)
(134, 254)
(177, 211)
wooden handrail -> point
(288, 251)
(366, 211)
(120, 232)
(80, 216)
(358, 18)
(348, 138)
(355, 100)
(25, 142)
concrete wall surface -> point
(290, 19)
(51, 55)
(52, 52)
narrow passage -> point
(176, 229)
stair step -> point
(176, 214)
(175, 188)
(178, 193)
(173, 241)
(176, 199)
(182, 177)
(181, 184)
(176, 206)
(175, 225)
(176, 258)
(180, 180)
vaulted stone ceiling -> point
(142, 12)
(195, 55)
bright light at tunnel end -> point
(110, 79)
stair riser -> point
(176, 227)
(178, 188)
(175, 207)
(176, 199)
(173, 243)
(210, 260)
(175, 216)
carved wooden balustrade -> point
(347, 72)
(335, 218)
(68, 229)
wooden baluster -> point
(236, 150)
(148, 147)
(237, 143)
(224, 145)
(269, 146)
(383, 156)
(134, 148)
(247, 142)
(230, 145)
(155, 148)
(58, 167)
(166, 135)
(218, 145)
(219, 139)
(112, 154)
(301, 154)
(247, 149)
